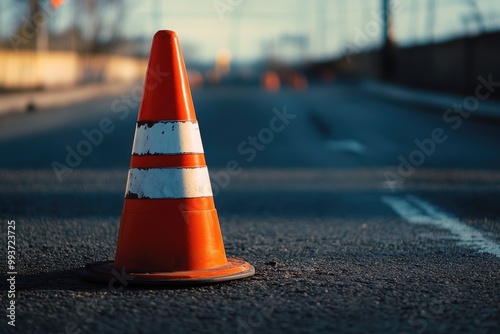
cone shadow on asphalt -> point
(64, 280)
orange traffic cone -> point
(169, 229)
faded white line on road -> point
(417, 211)
(346, 145)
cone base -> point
(106, 271)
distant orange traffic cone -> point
(169, 229)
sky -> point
(250, 28)
(293, 29)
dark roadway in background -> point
(312, 211)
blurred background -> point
(437, 44)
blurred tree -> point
(95, 28)
(388, 58)
(478, 16)
(31, 27)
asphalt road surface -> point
(359, 215)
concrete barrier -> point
(31, 70)
(25, 69)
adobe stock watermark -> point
(371, 30)
(94, 137)
(426, 147)
(119, 281)
(248, 149)
(32, 26)
(223, 6)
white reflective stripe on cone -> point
(168, 137)
(168, 183)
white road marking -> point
(168, 137)
(169, 182)
(346, 145)
(417, 211)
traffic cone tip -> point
(167, 95)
